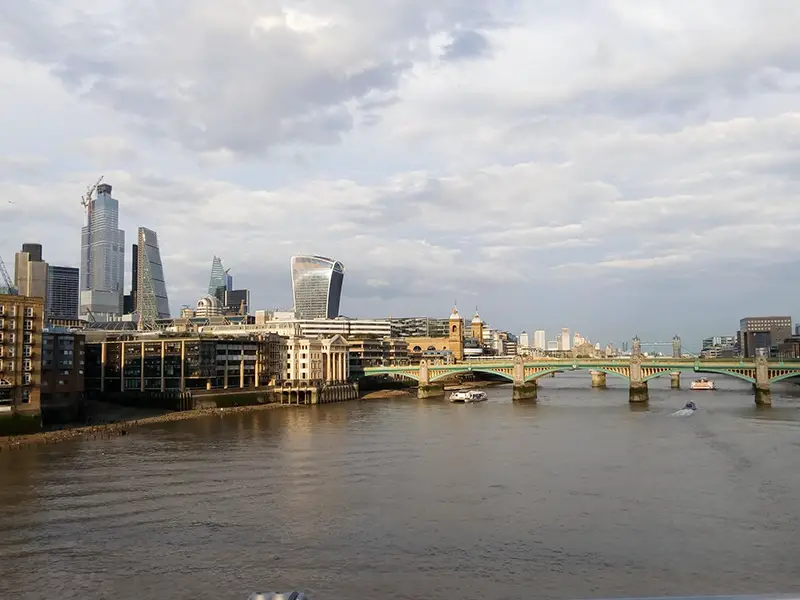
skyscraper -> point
(317, 286)
(151, 289)
(63, 292)
(218, 282)
(540, 339)
(102, 256)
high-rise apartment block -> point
(63, 292)
(102, 257)
(563, 340)
(317, 286)
(21, 325)
(151, 290)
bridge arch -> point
(784, 377)
(564, 368)
(506, 376)
(393, 373)
(694, 369)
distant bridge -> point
(637, 370)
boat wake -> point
(684, 412)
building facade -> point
(30, 272)
(102, 257)
(63, 366)
(317, 360)
(317, 286)
(183, 363)
(21, 326)
(452, 343)
(151, 290)
(763, 334)
(63, 293)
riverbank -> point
(118, 428)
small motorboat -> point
(467, 396)
(690, 406)
(703, 384)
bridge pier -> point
(525, 391)
(427, 389)
(638, 393)
(675, 380)
(598, 379)
(761, 387)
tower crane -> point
(6, 280)
(86, 202)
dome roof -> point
(209, 302)
(476, 320)
(455, 315)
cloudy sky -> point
(611, 166)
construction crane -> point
(6, 280)
(86, 202)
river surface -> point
(578, 496)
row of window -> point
(27, 338)
(12, 311)
(12, 324)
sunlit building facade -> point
(317, 286)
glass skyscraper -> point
(317, 286)
(151, 289)
(102, 256)
(219, 281)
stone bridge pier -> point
(598, 379)
(761, 386)
(638, 388)
(523, 390)
(427, 389)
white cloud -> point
(509, 153)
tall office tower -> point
(317, 286)
(30, 272)
(524, 340)
(102, 257)
(63, 293)
(539, 339)
(563, 340)
(218, 282)
(151, 289)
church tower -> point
(456, 337)
(477, 327)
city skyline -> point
(579, 191)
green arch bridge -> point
(637, 371)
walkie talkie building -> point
(317, 286)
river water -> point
(580, 495)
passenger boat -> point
(467, 396)
(703, 384)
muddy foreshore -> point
(94, 432)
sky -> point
(614, 167)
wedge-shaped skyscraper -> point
(151, 293)
(317, 286)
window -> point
(27, 365)
(26, 379)
(28, 325)
(29, 312)
(2, 309)
(26, 396)
(27, 338)
(10, 365)
(27, 351)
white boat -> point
(703, 384)
(467, 396)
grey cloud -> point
(466, 45)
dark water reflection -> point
(578, 496)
